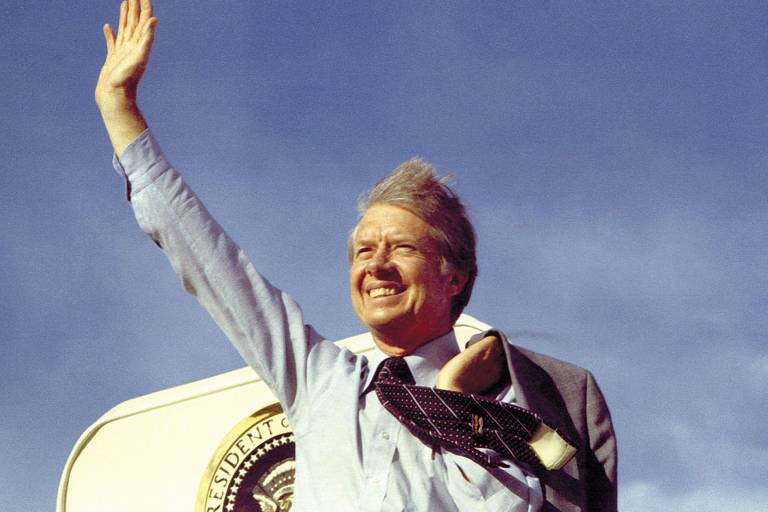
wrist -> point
(123, 120)
(116, 102)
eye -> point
(363, 252)
(405, 247)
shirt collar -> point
(424, 362)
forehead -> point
(390, 221)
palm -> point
(125, 65)
(128, 52)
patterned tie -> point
(463, 423)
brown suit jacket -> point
(568, 399)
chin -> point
(381, 324)
(387, 325)
(384, 316)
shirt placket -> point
(378, 464)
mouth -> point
(383, 291)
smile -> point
(381, 292)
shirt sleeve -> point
(265, 325)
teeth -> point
(379, 292)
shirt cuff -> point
(141, 163)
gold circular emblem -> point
(253, 467)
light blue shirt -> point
(351, 454)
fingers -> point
(109, 37)
(148, 35)
(133, 18)
(135, 21)
(122, 22)
(146, 11)
(149, 27)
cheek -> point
(354, 273)
(432, 285)
(355, 280)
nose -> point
(378, 263)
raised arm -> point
(265, 325)
(126, 60)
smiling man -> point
(418, 424)
(402, 288)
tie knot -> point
(394, 369)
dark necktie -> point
(463, 423)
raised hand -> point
(127, 57)
(127, 53)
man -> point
(412, 267)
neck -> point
(403, 344)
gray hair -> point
(414, 186)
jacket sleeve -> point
(602, 458)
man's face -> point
(398, 288)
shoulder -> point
(577, 385)
(549, 362)
(535, 373)
(557, 369)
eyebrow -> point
(398, 237)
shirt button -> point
(385, 436)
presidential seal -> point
(253, 467)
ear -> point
(456, 282)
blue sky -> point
(613, 159)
